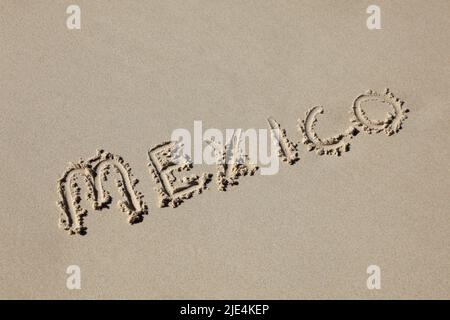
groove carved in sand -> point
(232, 162)
(165, 162)
(287, 150)
(94, 172)
(334, 145)
(163, 170)
(393, 120)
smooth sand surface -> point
(139, 69)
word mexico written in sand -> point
(165, 170)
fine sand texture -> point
(88, 177)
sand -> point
(361, 182)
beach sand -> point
(137, 70)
